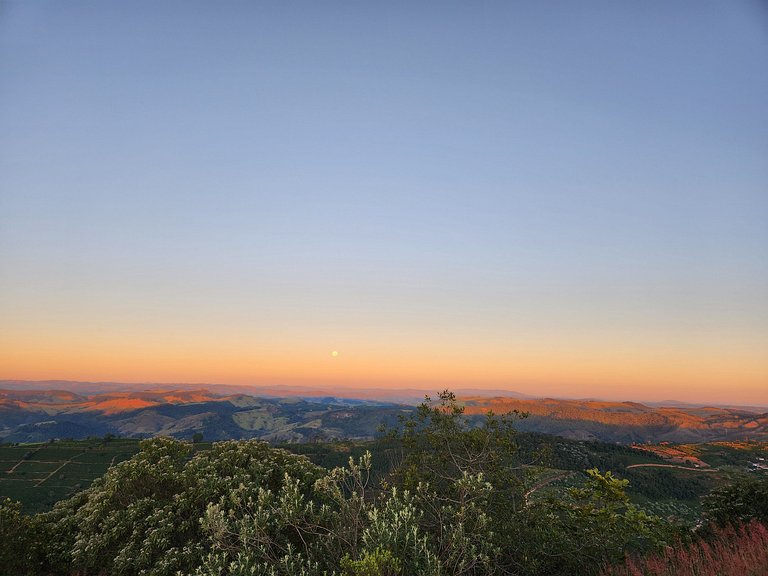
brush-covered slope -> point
(39, 416)
(627, 421)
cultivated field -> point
(38, 475)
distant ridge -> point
(403, 395)
(628, 421)
(44, 409)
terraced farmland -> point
(38, 475)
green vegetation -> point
(441, 494)
(741, 501)
(16, 536)
(729, 551)
(737, 454)
(39, 475)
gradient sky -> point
(559, 198)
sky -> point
(560, 198)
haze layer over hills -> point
(38, 411)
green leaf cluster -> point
(738, 502)
(455, 505)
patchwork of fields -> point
(38, 475)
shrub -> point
(577, 534)
(15, 537)
(738, 503)
(741, 551)
(143, 516)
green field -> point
(38, 475)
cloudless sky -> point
(559, 198)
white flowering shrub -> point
(453, 508)
(144, 515)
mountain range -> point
(38, 411)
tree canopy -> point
(455, 503)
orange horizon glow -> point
(583, 370)
(552, 202)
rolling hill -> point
(34, 416)
(627, 422)
(80, 410)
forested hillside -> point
(439, 495)
(38, 415)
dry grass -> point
(741, 551)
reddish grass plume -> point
(733, 551)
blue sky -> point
(561, 181)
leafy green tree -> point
(143, 516)
(593, 525)
(442, 446)
(339, 526)
(455, 506)
(269, 530)
(738, 502)
(463, 477)
(15, 538)
(334, 527)
(56, 532)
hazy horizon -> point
(360, 392)
(566, 198)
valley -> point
(32, 413)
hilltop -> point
(34, 416)
(629, 422)
(30, 412)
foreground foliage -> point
(591, 526)
(728, 551)
(456, 504)
(15, 537)
(739, 502)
